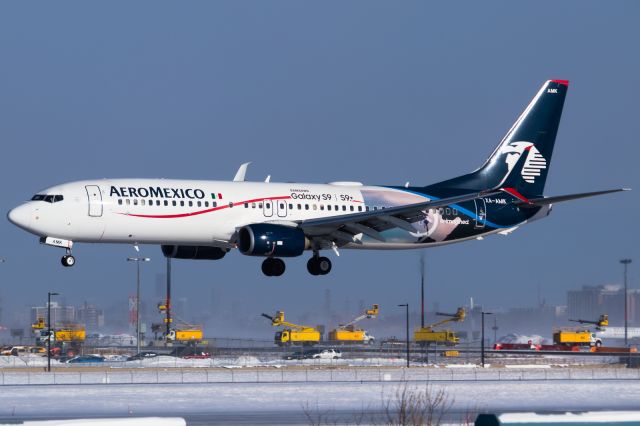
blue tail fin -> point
(533, 134)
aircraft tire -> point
(312, 266)
(266, 267)
(68, 260)
(323, 265)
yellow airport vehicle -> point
(69, 334)
(451, 354)
(600, 324)
(428, 335)
(293, 333)
(576, 338)
(347, 333)
(187, 335)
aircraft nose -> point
(20, 216)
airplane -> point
(195, 219)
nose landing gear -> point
(319, 265)
(68, 260)
(273, 267)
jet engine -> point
(265, 239)
(193, 252)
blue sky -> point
(378, 92)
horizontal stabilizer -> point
(551, 200)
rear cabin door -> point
(95, 200)
(481, 213)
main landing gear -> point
(273, 267)
(319, 265)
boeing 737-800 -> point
(206, 219)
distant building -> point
(59, 314)
(590, 302)
(90, 316)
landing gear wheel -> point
(312, 266)
(319, 265)
(273, 267)
(68, 260)
(324, 265)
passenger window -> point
(166, 203)
(321, 206)
(337, 207)
(214, 204)
(246, 205)
(366, 208)
(299, 206)
(157, 202)
(253, 205)
(142, 202)
(290, 206)
(120, 202)
(267, 205)
(281, 206)
(174, 202)
(181, 203)
(344, 208)
(315, 207)
(259, 205)
(329, 207)
(375, 207)
(135, 202)
(306, 206)
(206, 204)
(359, 208)
(351, 208)
(128, 201)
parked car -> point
(316, 354)
(143, 355)
(85, 359)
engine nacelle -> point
(194, 252)
(264, 239)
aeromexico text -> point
(157, 192)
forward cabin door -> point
(95, 200)
(481, 213)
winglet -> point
(242, 171)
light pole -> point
(49, 294)
(482, 342)
(625, 263)
(406, 305)
(138, 260)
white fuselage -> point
(187, 212)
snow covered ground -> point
(178, 399)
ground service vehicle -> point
(428, 335)
(190, 335)
(576, 338)
(294, 333)
(347, 333)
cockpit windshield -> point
(47, 198)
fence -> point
(293, 375)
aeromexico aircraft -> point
(206, 219)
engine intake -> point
(193, 252)
(264, 239)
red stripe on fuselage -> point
(199, 212)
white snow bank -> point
(127, 421)
(520, 338)
(589, 416)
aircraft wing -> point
(345, 227)
(536, 202)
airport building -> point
(59, 314)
